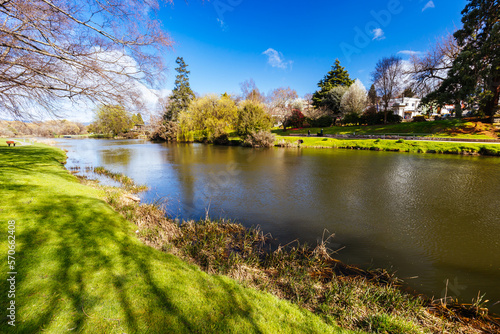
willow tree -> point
(111, 120)
(77, 50)
(213, 116)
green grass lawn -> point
(81, 268)
(411, 146)
(445, 129)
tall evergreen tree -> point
(182, 94)
(372, 95)
(338, 76)
(137, 119)
(408, 92)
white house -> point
(406, 107)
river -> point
(433, 219)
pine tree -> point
(140, 121)
(338, 76)
(408, 92)
(372, 96)
(182, 93)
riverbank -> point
(81, 268)
(305, 276)
(310, 277)
(374, 301)
(400, 145)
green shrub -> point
(211, 116)
(372, 117)
(387, 324)
(419, 118)
(320, 122)
(252, 118)
(351, 118)
(186, 136)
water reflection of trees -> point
(120, 156)
(181, 158)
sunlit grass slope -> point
(81, 269)
(410, 146)
(445, 129)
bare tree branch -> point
(79, 50)
(430, 70)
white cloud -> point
(378, 34)
(406, 78)
(141, 97)
(145, 98)
(276, 59)
(410, 53)
(430, 4)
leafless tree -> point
(280, 103)
(429, 70)
(250, 91)
(78, 51)
(388, 80)
(41, 129)
(309, 110)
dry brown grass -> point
(310, 277)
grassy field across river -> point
(442, 129)
(411, 146)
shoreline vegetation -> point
(82, 266)
(310, 277)
(82, 269)
(459, 137)
(400, 145)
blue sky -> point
(294, 43)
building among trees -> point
(406, 107)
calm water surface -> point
(432, 216)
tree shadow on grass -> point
(24, 159)
(80, 269)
